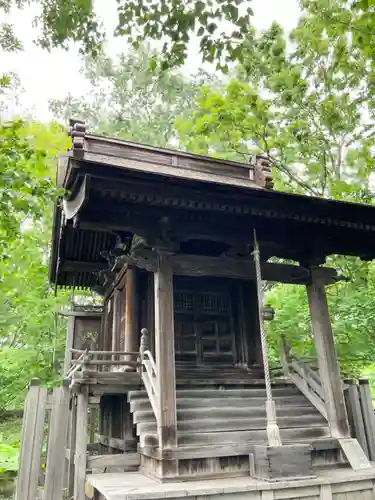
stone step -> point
(236, 424)
(229, 412)
(220, 393)
(300, 434)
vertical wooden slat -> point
(165, 354)
(72, 446)
(355, 415)
(53, 489)
(326, 492)
(328, 366)
(367, 416)
(81, 445)
(31, 442)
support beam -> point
(328, 365)
(232, 267)
(165, 355)
(131, 312)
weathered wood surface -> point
(31, 442)
(328, 365)
(232, 267)
(165, 170)
(165, 354)
(111, 442)
(105, 353)
(162, 156)
(355, 416)
(368, 416)
(304, 387)
(57, 435)
(330, 484)
(71, 446)
(81, 445)
(125, 460)
(99, 362)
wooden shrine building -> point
(167, 239)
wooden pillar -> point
(327, 360)
(252, 327)
(132, 330)
(165, 353)
(81, 444)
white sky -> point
(52, 75)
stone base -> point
(277, 463)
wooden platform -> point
(329, 485)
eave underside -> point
(105, 211)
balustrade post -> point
(145, 342)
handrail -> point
(87, 359)
(104, 353)
(148, 373)
(304, 377)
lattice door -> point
(203, 325)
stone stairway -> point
(230, 417)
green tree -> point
(128, 100)
(31, 339)
(219, 27)
(308, 110)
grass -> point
(10, 430)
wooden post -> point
(69, 344)
(71, 446)
(54, 484)
(115, 324)
(327, 360)
(355, 414)
(31, 442)
(284, 353)
(81, 444)
(165, 354)
(368, 417)
(131, 313)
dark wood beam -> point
(77, 265)
(230, 267)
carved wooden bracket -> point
(262, 171)
(77, 131)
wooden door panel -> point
(203, 323)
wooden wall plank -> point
(31, 442)
(81, 444)
(367, 416)
(57, 433)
